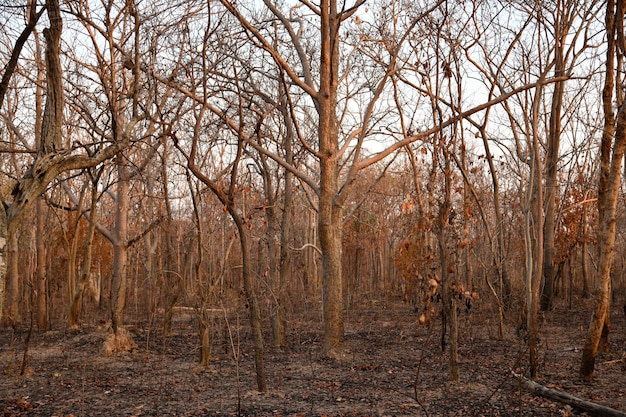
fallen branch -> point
(562, 397)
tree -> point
(339, 150)
(613, 145)
(54, 156)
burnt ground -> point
(392, 367)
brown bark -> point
(85, 276)
(274, 251)
(552, 160)
(330, 220)
(611, 156)
(40, 273)
(13, 280)
(534, 219)
(598, 327)
(52, 124)
(120, 248)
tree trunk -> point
(599, 325)
(42, 290)
(253, 304)
(552, 160)
(285, 234)
(330, 212)
(85, 276)
(584, 260)
(13, 290)
(3, 255)
(499, 257)
(330, 232)
(40, 274)
(120, 248)
(613, 136)
(533, 229)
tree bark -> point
(330, 212)
(3, 255)
(52, 124)
(42, 287)
(13, 313)
(613, 136)
(77, 298)
(598, 327)
(120, 248)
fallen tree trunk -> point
(562, 397)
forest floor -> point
(392, 367)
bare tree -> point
(53, 157)
(613, 145)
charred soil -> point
(392, 366)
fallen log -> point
(593, 409)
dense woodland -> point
(281, 157)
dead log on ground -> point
(562, 397)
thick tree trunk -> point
(330, 220)
(51, 128)
(330, 233)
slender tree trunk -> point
(40, 274)
(120, 248)
(85, 276)
(599, 325)
(285, 234)
(552, 160)
(3, 255)
(584, 258)
(253, 304)
(499, 258)
(613, 137)
(42, 288)
(228, 200)
(534, 219)
(13, 280)
(273, 246)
